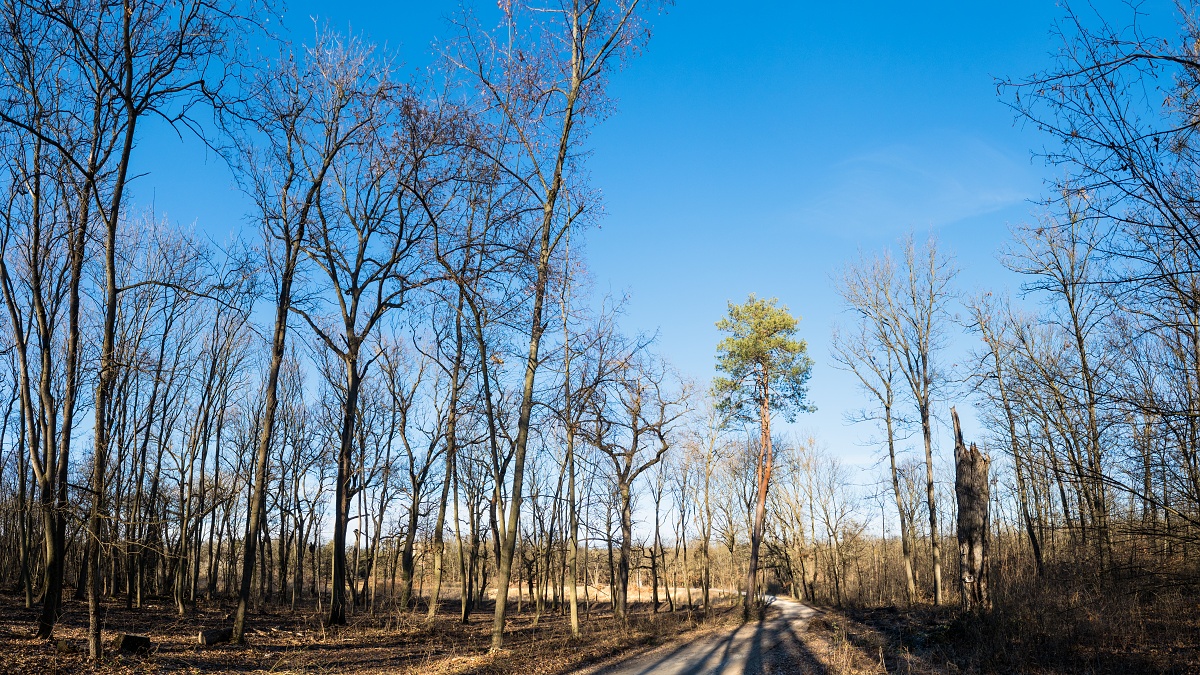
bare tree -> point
(915, 319)
(369, 239)
(988, 318)
(1059, 257)
(706, 444)
(123, 62)
(632, 421)
(309, 112)
(565, 56)
(867, 352)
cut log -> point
(216, 636)
(133, 644)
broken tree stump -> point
(215, 636)
(972, 491)
(132, 644)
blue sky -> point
(757, 149)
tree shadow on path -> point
(769, 646)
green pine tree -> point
(765, 368)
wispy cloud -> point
(933, 181)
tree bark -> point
(763, 479)
(972, 491)
(343, 494)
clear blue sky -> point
(757, 149)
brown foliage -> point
(1063, 623)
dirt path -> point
(769, 646)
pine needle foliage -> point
(761, 356)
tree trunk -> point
(621, 606)
(258, 496)
(573, 545)
(407, 561)
(763, 476)
(935, 543)
(342, 497)
(439, 543)
(971, 488)
(910, 587)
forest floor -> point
(281, 641)
(1051, 634)
(1097, 636)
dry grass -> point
(1062, 624)
(286, 642)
